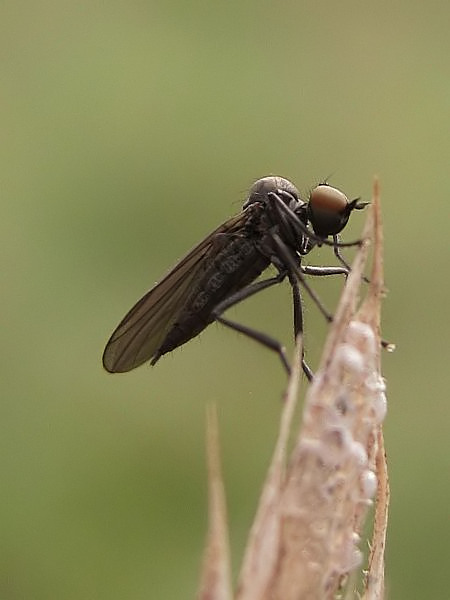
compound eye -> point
(328, 210)
(328, 199)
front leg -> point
(324, 271)
(341, 259)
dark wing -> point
(143, 329)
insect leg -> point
(321, 271)
(338, 254)
(298, 318)
(258, 336)
(293, 267)
(297, 303)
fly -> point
(275, 227)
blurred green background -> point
(129, 131)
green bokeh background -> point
(129, 131)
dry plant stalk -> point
(216, 572)
(304, 540)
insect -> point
(275, 227)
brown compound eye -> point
(329, 210)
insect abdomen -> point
(231, 269)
